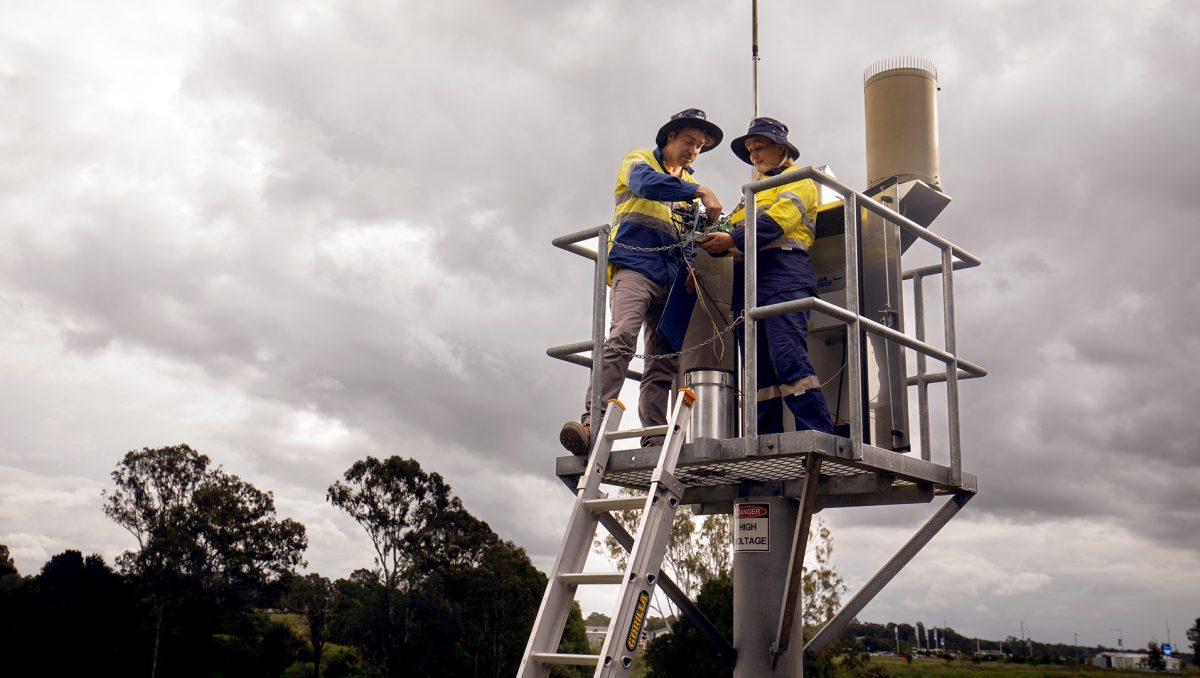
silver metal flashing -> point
(893, 63)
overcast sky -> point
(295, 234)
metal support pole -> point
(599, 296)
(754, 50)
(834, 627)
(951, 369)
(750, 350)
(854, 333)
(758, 583)
(922, 385)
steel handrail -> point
(841, 314)
(865, 202)
(854, 202)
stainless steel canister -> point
(715, 413)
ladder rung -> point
(574, 659)
(614, 504)
(591, 578)
(638, 432)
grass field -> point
(938, 668)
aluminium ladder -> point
(649, 547)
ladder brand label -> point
(639, 619)
(752, 528)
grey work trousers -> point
(636, 302)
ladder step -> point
(614, 504)
(638, 432)
(574, 659)
(591, 578)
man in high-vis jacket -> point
(643, 261)
(785, 232)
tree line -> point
(445, 595)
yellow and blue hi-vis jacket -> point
(786, 224)
(645, 194)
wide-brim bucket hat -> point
(692, 117)
(769, 128)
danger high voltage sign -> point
(752, 527)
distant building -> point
(1134, 661)
(595, 635)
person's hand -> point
(690, 283)
(712, 205)
(717, 243)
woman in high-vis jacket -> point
(785, 232)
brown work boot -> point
(576, 437)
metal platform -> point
(803, 472)
(715, 472)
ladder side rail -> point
(649, 547)
(834, 627)
(552, 614)
(674, 593)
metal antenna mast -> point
(754, 50)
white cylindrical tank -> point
(901, 117)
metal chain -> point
(680, 244)
(634, 248)
(736, 321)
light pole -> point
(1120, 636)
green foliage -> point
(1154, 657)
(683, 651)
(343, 665)
(692, 558)
(77, 603)
(7, 567)
(250, 647)
(597, 619)
(397, 504)
(822, 585)
(447, 596)
(574, 641)
(1193, 634)
(209, 547)
(315, 597)
(845, 655)
(199, 525)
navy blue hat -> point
(692, 117)
(769, 128)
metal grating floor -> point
(717, 470)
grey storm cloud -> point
(296, 236)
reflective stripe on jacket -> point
(786, 215)
(645, 194)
